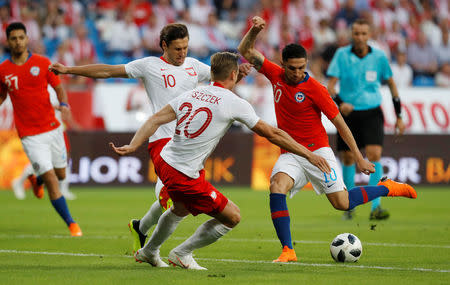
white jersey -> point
(203, 117)
(164, 81)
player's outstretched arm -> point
(91, 70)
(364, 166)
(247, 46)
(285, 141)
(165, 115)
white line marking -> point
(28, 236)
(233, 261)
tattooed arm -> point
(247, 45)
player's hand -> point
(399, 127)
(258, 23)
(365, 166)
(58, 68)
(245, 69)
(345, 109)
(66, 115)
(122, 150)
(320, 163)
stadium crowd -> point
(413, 34)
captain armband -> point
(397, 106)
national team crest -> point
(35, 70)
(299, 97)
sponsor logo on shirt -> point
(213, 195)
(34, 70)
(299, 97)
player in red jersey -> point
(25, 77)
(299, 102)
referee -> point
(361, 69)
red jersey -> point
(27, 88)
(298, 107)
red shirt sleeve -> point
(270, 70)
(323, 100)
(52, 78)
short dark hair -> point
(293, 51)
(361, 21)
(15, 26)
(173, 32)
(222, 64)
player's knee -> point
(235, 219)
(340, 205)
(277, 186)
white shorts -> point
(46, 151)
(302, 171)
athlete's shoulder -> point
(378, 52)
(39, 58)
(5, 63)
(314, 84)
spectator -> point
(442, 78)
(140, 11)
(165, 12)
(81, 46)
(73, 11)
(124, 37)
(443, 49)
(232, 28)
(198, 47)
(216, 39)
(402, 72)
(201, 9)
(421, 57)
(225, 7)
(150, 35)
(323, 36)
(382, 16)
(33, 30)
(295, 14)
(348, 14)
(318, 13)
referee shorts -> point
(367, 127)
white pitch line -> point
(28, 236)
(235, 261)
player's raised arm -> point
(91, 70)
(165, 115)
(247, 46)
(364, 166)
(285, 141)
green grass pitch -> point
(412, 247)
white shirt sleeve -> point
(204, 72)
(243, 112)
(136, 68)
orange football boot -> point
(38, 190)
(398, 189)
(286, 255)
(75, 230)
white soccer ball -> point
(346, 248)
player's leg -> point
(64, 187)
(226, 215)
(59, 161)
(167, 223)
(17, 184)
(348, 175)
(373, 153)
(347, 159)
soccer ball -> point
(346, 248)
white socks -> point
(151, 217)
(26, 172)
(153, 214)
(206, 234)
(167, 223)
